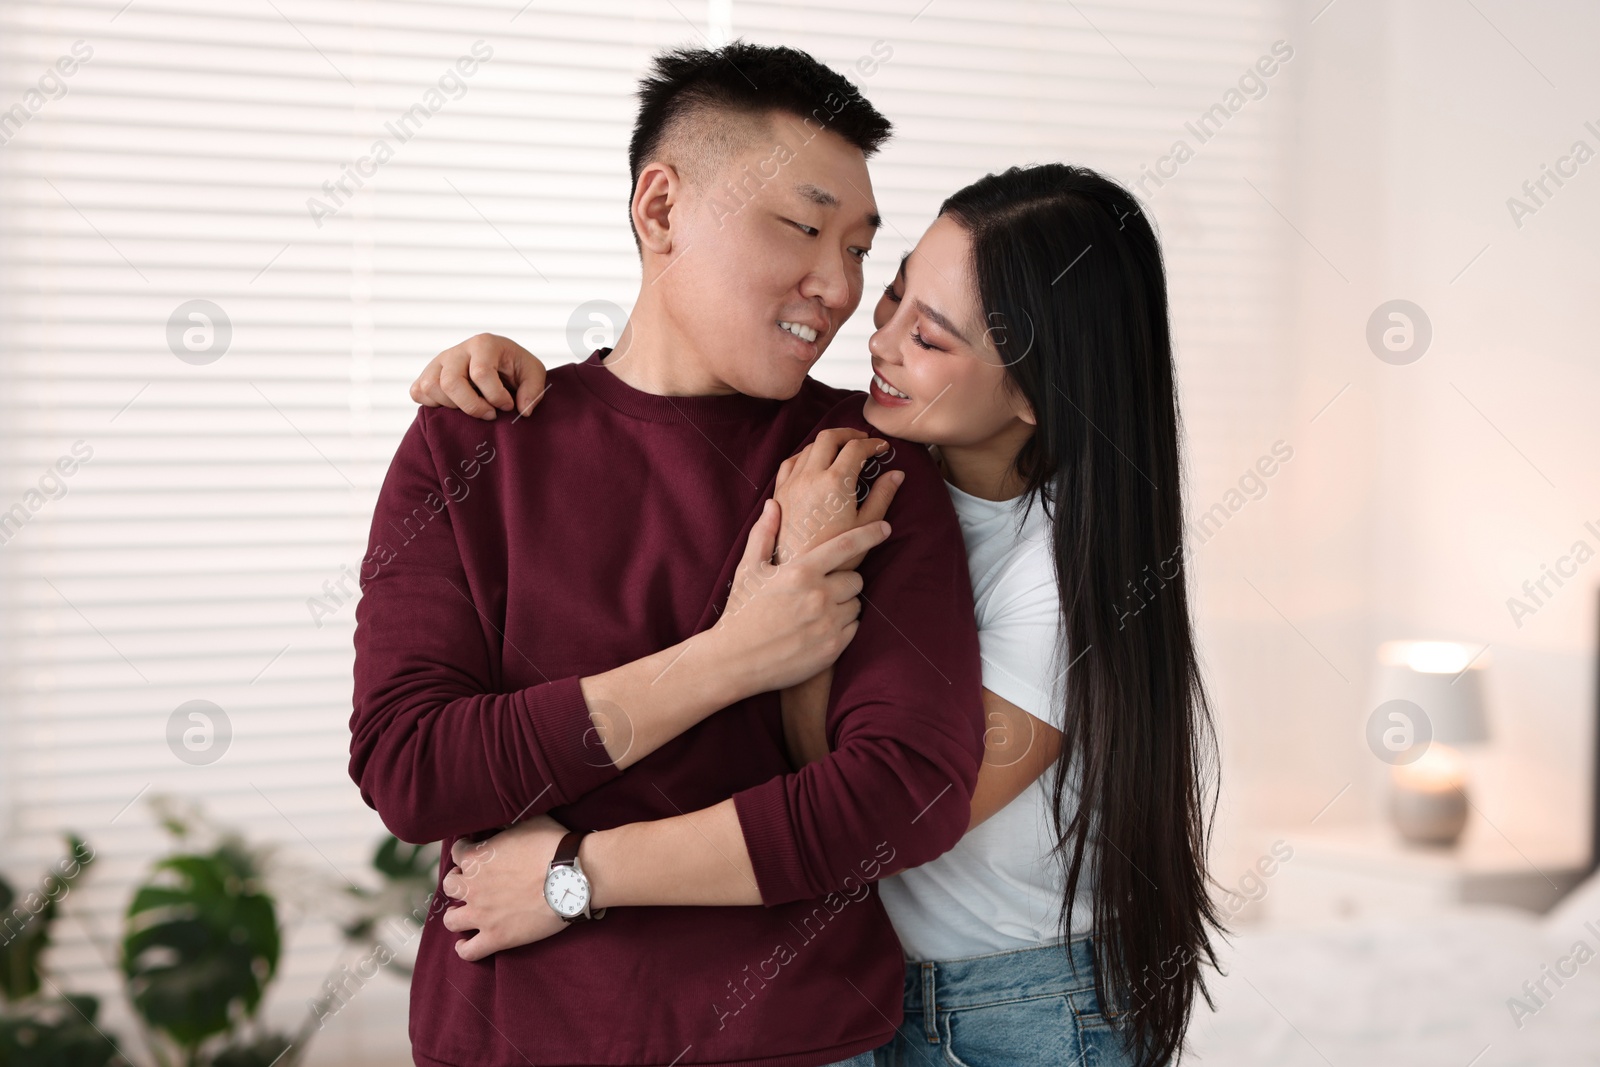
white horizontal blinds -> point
(221, 496)
(977, 87)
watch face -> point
(566, 891)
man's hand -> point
(449, 379)
(816, 488)
(500, 882)
(785, 622)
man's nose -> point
(829, 281)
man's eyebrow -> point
(823, 198)
(816, 195)
(923, 309)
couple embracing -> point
(770, 723)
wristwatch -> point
(566, 887)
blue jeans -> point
(1032, 1006)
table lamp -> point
(1428, 797)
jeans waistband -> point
(999, 977)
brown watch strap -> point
(567, 850)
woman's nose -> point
(877, 344)
(881, 343)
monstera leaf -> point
(398, 860)
(409, 873)
(58, 1033)
(264, 1051)
(201, 944)
(26, 922)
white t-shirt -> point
(999, 888)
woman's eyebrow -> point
(923, 309)
(950, 327)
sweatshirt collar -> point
(600, 380)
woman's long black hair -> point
(1071, 279)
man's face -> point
(770, 264)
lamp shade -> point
(1443, 678)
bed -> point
(1430, 992)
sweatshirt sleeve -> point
(434, 748)
(905, 718)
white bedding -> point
(1410, 991)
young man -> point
(546, 636)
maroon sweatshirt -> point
(509, 559)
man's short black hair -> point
(749, 80)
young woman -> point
(1025, 341)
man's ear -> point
(659, 190)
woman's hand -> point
(469, 377)
(785, 622)
(500, 884)
(816, 488)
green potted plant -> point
(200, 949)
(201, 946)
(39, 1025)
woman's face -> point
(934, 345)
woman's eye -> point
(916, 339)
(888, 291)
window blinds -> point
(234, 231)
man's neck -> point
(652, 359)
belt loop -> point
(930, 1026)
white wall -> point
(1427, 494)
